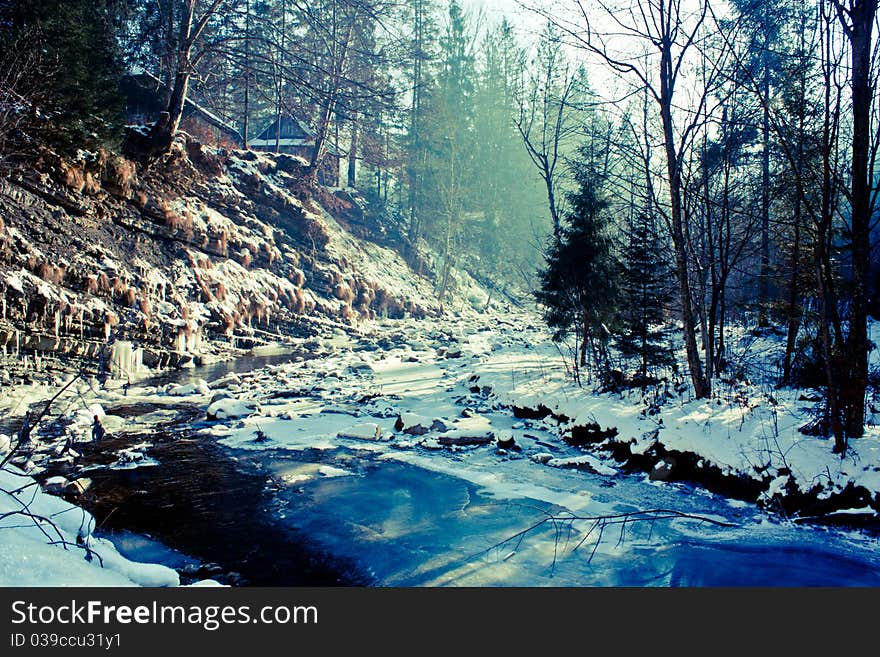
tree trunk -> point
(863, 13)
(794, 310)
(163, 131)
(245, 124)
(764, 277)
(585, 327)
(352, 153)
(701, 385)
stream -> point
(252, 517)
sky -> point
(495, 10)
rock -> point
(410, 423)
(459, 438)
(542, 457)
(224, 409)
(506, 440)
(589, 433)
(365, 431)
(359, 369)
(198, 387)
(129, 456)
(222, 394)
(55, 485)
(527, 413)
(418, 425)
(77, 486)
(229, 379)
(662, 471)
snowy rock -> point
(206, 582)
(222, 394)
(542, 457)
(359, 369)
(198, 387)
(229, 379)
(662, 470)
(506, 440)
(418, 425)
(225, 409)
(5, 443)
(365, 431)
(55, 485)
(585, 462)
(331, 471)
(461, 437)
(78, 486)
(129, 456)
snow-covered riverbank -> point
(443, 398)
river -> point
(260, 515)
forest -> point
(724, 174)
(653, 179)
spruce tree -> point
(645, 294)
(580, 281)
(79, 65)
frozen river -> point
(312, 484)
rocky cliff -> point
(192, 256)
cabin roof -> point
(291, 128)
(145, 81)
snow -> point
(586, 460)
(331, 421)
(226, 409)
(28, 558)
(413, 423)
(364, 431)
(198, 387)
(513, 363)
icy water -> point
(352, 516)
(233, 514)
(410, 527)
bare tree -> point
(545, 120)
(190, 25)
(857, 19)
(843, 29)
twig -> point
(601, 522)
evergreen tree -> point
(79, 65)
(509, 195)
(645, 294)
(447, 170)
(580, 282)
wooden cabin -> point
(296, 138)
(145, 98)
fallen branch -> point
(564, 523)
(28, 425)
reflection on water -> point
(696, 564)
(417, 528)
(205, 504)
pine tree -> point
(580, 282)
(79, 65)
(645, 294)
(446, 171)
